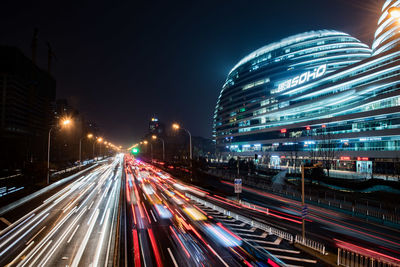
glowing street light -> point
(176, 126)
(63, 123)
(88, 136)
(100, 140)
(66, 121)
(154, 137)
(151, 148)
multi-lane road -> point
(74, 226)
(129, 213)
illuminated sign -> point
(300, 79)
(283, 130)
(344, 158)
(362, 158)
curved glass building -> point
(321, 95)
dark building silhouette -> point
(26, 96)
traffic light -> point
(135, 151)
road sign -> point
(238, 185)
(304, 211)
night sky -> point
(120, 62)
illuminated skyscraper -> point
(314, 94)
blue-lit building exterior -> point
(320, 94)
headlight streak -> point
(180, 242)
(24, 234)
(48, 243)
(100, 242)
(46, 239)
(16, 227)
(33, 237)
(20, 254)
(82, 247)
(32, 217)
(221, 236)
(61, 239)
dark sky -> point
(119, 62)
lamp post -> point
(154, 137)
(145, 142)
(303, 221)
(64, 122)
(89, 136)
(99, 140)
(176, 126)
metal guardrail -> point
(349, 258)
(310, 244)
(269, 229)
(354, 209)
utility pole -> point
(238, 166)
(304, 210)
(303, 221)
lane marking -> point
(295, 259)
(152, 214)
(279, 249)
(73, 233)
(234, 224)
(172, 257)
(20, 254)
(252, 230)
(35, 235)
(263, 235)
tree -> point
(327, 151)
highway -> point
(73, 227)
(163, 225)
(168, 229)
(329, 227)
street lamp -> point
(163, 145)
(176, 126)
(89, 136)
(151, 149)
(63, 123)
(100, 140)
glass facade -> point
(313, 89)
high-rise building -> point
(26, 97)
(155, 126)
(320, 95)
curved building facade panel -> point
(289, 96)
